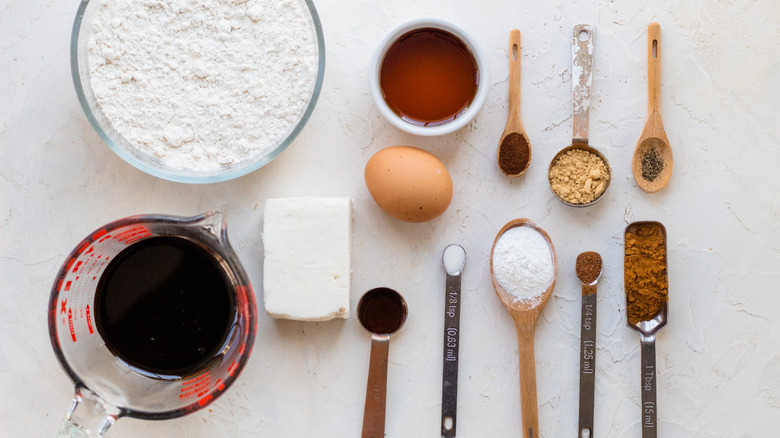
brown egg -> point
(409, 183)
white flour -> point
(522, 263)
(202, 84)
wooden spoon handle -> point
(514, 74)
(528, 403)
(653, 67)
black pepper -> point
(652, 165)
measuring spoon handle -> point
(649, 405)
(449, 392)
(376, 389)
(582, 76)
(587, 360)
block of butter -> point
(306, 270)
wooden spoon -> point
(652, 162)
(525, 314)
(514, 150)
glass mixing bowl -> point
(80, 70)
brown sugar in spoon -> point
(652, 162)
(514, 150)
(525, 314)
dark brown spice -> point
(645, 275)
(588, 267)
(652, 165)
(514, 154)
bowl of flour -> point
(197, 91)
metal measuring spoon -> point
(582, 66)
(381, 311)
(453, 259)
(525, 314)
(588, 271)
(647, 331)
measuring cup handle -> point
(89, 416)
(582, 76)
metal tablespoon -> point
(647, 330)
(381, 311)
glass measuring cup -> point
(108, 388)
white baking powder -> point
(522, 263)
(202, 84)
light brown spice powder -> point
(579, 176)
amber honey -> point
(429, 77)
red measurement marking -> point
(67, 285)
(76, 268)
(82, 246)
(232, 368)
(89, 321)
(205, 400)
(59, 285)
(70, 263)
(195, 387)
(91, 248)
(195, 379)
(220, 386)
(70, 326)
(99, 233)
(63, 303)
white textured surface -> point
(718, 360)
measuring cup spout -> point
(89, 416)
(211, 222)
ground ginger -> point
(645, 276)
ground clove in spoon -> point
(588, 271)
(514, 150)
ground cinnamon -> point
(514, 154)
(646, 282)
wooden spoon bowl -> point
(525, 313)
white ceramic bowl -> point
(375, 68)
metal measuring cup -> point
(582, 76)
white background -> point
(718, 359)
